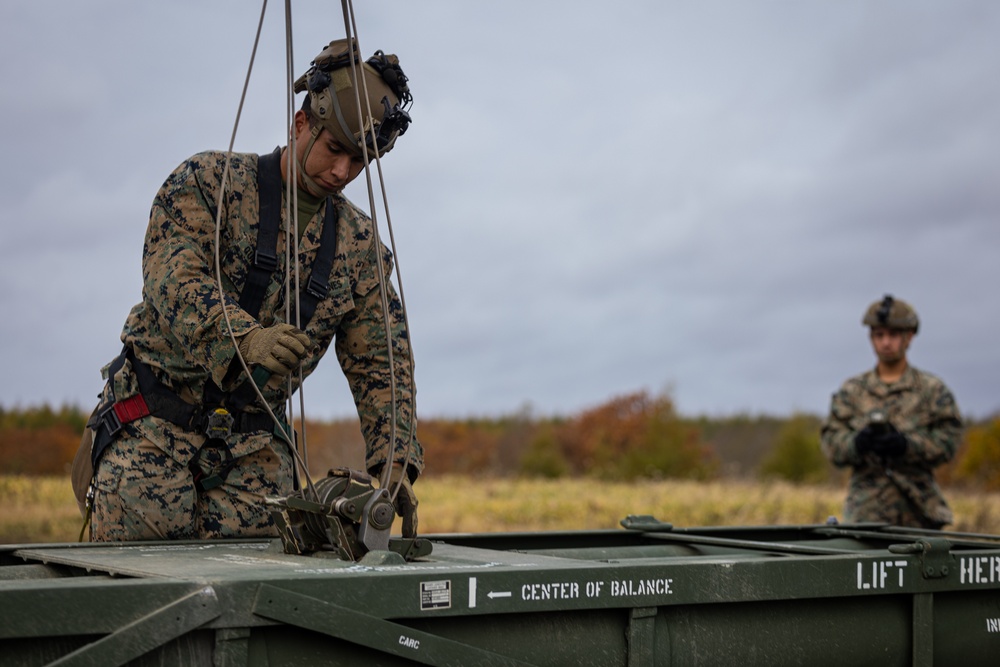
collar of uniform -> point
(906, 381)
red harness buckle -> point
(131, 408)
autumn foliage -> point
(39, 441)
(630, 437)
(634, 436)
(979, 461)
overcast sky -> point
(593, 198)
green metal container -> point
(647, 595)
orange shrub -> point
(38, 451)
(635, 436)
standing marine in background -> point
(182, 446)
(893, 425)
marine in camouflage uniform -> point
(893, 425)
(144, 484)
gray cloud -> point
(591, 200)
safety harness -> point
(222, 413)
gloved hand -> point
(405, 501)
(865, 439)
(880, 439)
(279, 348)
(891, 444)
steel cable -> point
(292, 256)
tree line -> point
(633, 436)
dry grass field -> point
(42, 509)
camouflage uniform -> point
(143, 487)
(900, 491)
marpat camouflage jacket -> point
(903, 490)
(180, 332)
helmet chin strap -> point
(312, 186)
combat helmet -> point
(330, 82)
(893, 313)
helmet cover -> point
(330, 84)
(892, 313)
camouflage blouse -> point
(903, 490)
(179, 329)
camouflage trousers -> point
(142, 493)
(896, 499)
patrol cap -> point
(330, 84)
(893, 313)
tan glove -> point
(405, 501)
(279, 348)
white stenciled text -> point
(881, 575)
(632, 587)
(566, 590)
(979, 569)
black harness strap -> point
(265, 259)
(156, 399)
(162, 401)
(105, 421)
(317, 287)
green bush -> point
(667, 447)
(544, 458)
(795, 455)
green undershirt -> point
(308, 205)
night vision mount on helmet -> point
(334, 91)
(893, 313)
